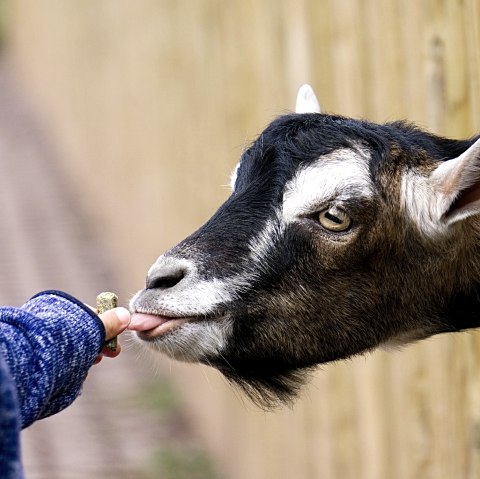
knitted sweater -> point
(46, 349)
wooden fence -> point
(162, 95)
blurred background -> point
(120, 122)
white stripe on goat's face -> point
(333, 178)
(264, 241)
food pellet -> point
(106, 301)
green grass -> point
(182, 463)
(180, 458)
(162, 397)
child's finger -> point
(115, 321)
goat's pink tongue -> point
(144, 322)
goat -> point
(340, 236)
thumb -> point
(115, 321)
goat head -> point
(340, 236)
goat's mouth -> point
(150, 326)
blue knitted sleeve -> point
(49, 345)
(10, 460)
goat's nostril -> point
(168, 271)
(165, 281)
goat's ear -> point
(457, 186)
(307, 101)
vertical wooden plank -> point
(435, 92)
(320, 26)
(383, 59)
(412, 26)
(471, 23)
(371, 413)
(298, 68)
(473, 406)
(320, 424)
(346, 48)
(456, 74)
(346, 453)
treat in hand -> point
(106, 301)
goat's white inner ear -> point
(307, 101)
(457, 184)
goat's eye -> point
(334, 219)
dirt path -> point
(46, 243)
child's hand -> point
(115, 321)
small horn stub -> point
(307, 101)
